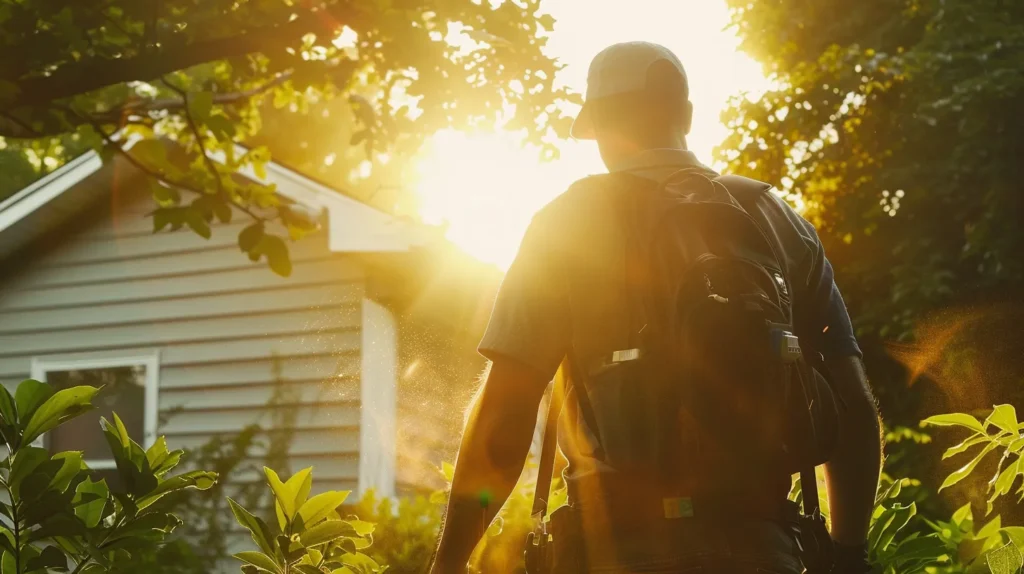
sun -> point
(486, 186)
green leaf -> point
(990, 529)
(6, 540)
(221, 126)
(51, 557)
(7, 564)
(1005, 560)
(56, 526)
(965, 445)
(222, 210)
(130, 458)
(25, 461)
(164, 194)
(259, 560)
(1003, 417)
(292, 548)
(287, 493)
(62, 406)
(200, 105)
(326, 532)
(194, 220)
(306, 569)
(8, 409)
(29, 396)
(151, 153)
(95, 496)
(360, 562)
(320, 506)
(259, 530)
(302, 483)
(161, 461)
(72, 465)
(277, 255)
(955, 419)
(249, 237)
(1014, 534)
(967, 469)
(196, 479)
(362, 527)
(152, 527)
(1003, 482)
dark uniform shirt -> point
(561, 292)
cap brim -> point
(583, 126)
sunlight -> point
(486, 186)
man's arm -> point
(494, 448)
(852, 474)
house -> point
(363, 357)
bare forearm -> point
(852, 474)
(491, 458)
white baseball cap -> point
(620, 69)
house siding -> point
(231, 335)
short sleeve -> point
(819, 311)
(530, 322)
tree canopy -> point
(184, 80)
(896, 123)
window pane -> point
(123, 392)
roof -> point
(353, 226)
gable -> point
(44, 206)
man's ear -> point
(687, 119)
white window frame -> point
(150, 360)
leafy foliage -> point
(309, 535)
(172, 86)
(889, 122)
(999, 431)
(57, 516)
(405, 533)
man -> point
(557, 297)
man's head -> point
(637, 99)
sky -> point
(486, 187)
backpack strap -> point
(547, 452)
(747, 191)
(744, 189)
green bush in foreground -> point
(310, 536)
(58, 519)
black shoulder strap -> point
(547, 451)
(744, 189)
(747, 191)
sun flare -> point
(486, 186)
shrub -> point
(309, 536)
(57, 516)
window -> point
(129, 389)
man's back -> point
(565, 295)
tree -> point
(897, 124)
(182, 81)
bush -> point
(57, 516)
(309, 536)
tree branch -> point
(160, 177)
(170, 104)
(12, 127)
(198, 135)
(87, 76)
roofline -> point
(375, 231)
(40, 192)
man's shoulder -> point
(573, 198)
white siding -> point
(377, 424)
(230, 334)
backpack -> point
(714, 383)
